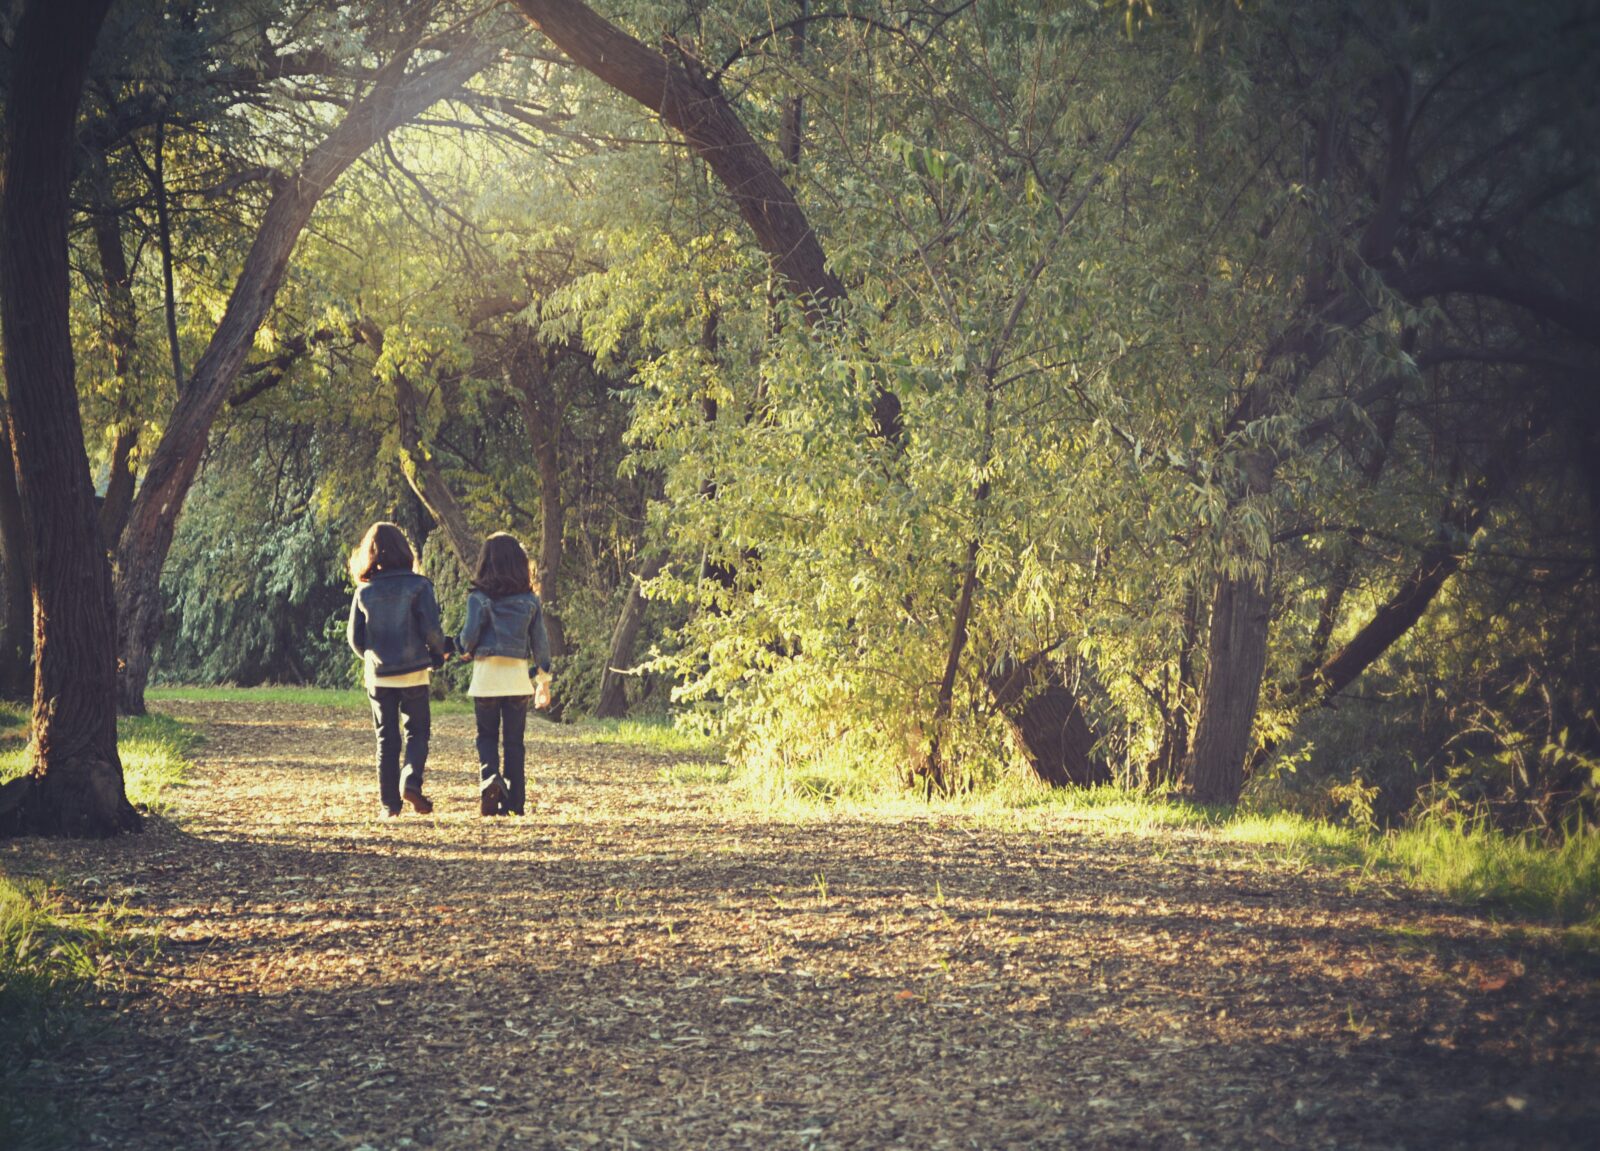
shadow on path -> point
(631, 966)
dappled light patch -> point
(642, 961)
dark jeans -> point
(509, 713)
(402, 717)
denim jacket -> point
(396, 617)
(511, 625)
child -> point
(395, 629)
(504, 629)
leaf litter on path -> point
(632, 965)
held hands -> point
(541, 691)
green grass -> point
(1514, 876)
(345, 699)
(48, 956)
(154, 750)
(658, 734)
(51, 961)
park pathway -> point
(636, 965)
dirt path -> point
(628, 967)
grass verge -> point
(345, 699)
(53, 959)
(1469, 862)
(51, 962)
(657, 734)
(154, 750)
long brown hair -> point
(383, 549)
(503, 567)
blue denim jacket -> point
(512, 625)
(396, 617)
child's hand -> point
(541, 691)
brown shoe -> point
(491, 799)
(420, 803)
(391, 813)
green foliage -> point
(1125, 268)
(254, 600)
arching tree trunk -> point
(693, 106)
(423, 474)
(696, 109)
(16, 587)
(75, 787)
(395, 97)
(613, 703)
(1048, 722)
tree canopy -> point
(1194, 395)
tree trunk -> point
(1177, 711)
(16, 587)
(1401, 611)
(421, 470)
(158, 180)
(121, 329)
(613, 702)
(551, 514)
(394, 98)
(931, 771)
(693, 106)
(75, 787)
(792, 132)
(1048, 722)
(120, 485)
(1236, 658)
(541, 415)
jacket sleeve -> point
(356, 630)
(538, 638)
(472, 630)
(426, 605)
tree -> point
(16, 591)
(1405, 183)
(396, 94)
(75, 786)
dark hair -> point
(503, 567)
(383, 549)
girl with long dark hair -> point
(395, 629)
(504, 630)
